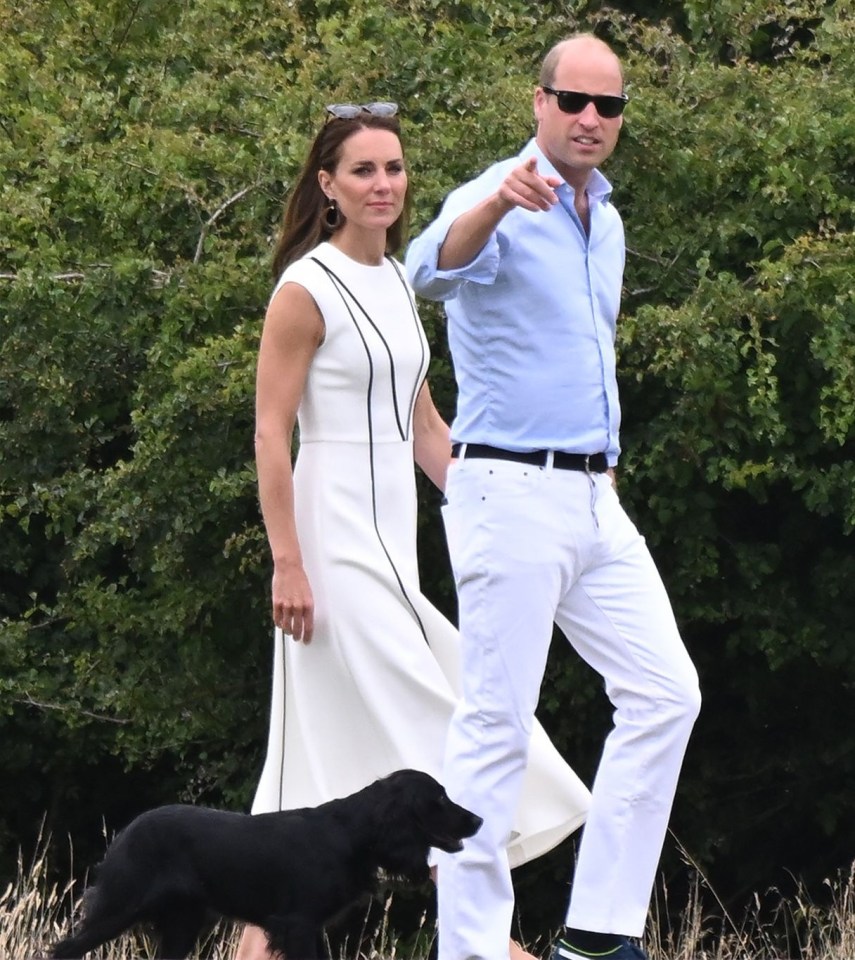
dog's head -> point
(416, 814)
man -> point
(529, 260)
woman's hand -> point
(293, 604)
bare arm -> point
(431, 443)
(293, 330)
(523, 187)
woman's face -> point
(369, 183)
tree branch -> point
(60, 708)
(160, 276)
(216, 215)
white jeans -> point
(531, 546)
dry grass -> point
(774, 929)
(34, 912)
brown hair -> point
(553, 56)
(303, 223)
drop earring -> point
(332, 215)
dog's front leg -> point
(295, 937)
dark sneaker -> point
(625, 951)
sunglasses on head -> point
(571, 101)
(350, 111)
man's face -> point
(578, 142)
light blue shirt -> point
(532, 319)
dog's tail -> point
(94, 928)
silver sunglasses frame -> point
(350, 111)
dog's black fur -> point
(290, 873)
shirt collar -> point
(599, 187)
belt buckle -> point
(588, 463)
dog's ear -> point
(419, 798)
(402, 814)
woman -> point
(366, 683)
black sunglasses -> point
(571, 101)
(350, 111)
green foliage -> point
(145, 151)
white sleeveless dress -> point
(375, 689)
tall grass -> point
(773, 929)
(35, 912)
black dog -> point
(289, 873)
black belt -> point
(589, 463)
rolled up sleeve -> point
(423, 254)
(434, 284)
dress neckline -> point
(341, 255)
